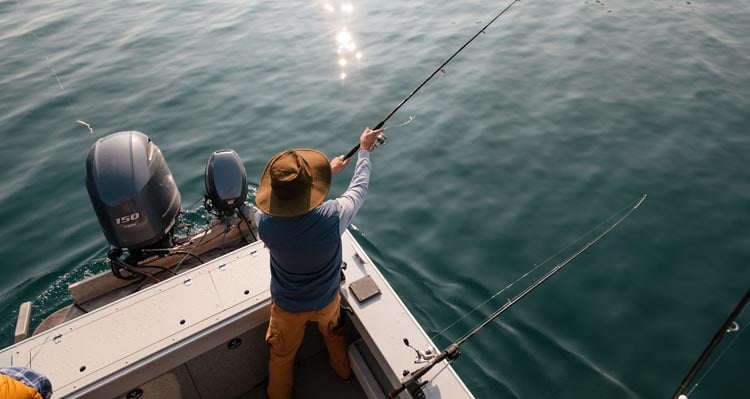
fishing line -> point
(411, 118)
(730, 325)
(550, 273)
(54, 72)
(412, 379)
(577, 240)
(708, 371)
(439, 69)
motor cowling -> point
(226, 180)
(131, 189)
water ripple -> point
(539, 130)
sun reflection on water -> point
(347, 54)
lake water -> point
(560, 115)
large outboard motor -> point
(132, 190)
(226, 181)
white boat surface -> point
(200, 334)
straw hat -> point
(294, 183)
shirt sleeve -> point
(352, 199)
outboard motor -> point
(132, 190)
(226, 190)
(226, 181)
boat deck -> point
(179, 339)
(239, 372)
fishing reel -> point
(423, 356)
(379, 141)
(412, 380)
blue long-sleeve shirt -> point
(306, 249)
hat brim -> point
(320, 172)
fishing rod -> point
(725, 328)
(381, 137)
(412, 382)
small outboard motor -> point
(132, 190)
(226, 190)
(226, 181)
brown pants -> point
(284, 336)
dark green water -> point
(559, 116)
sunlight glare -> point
(346, 49)
(344, 37)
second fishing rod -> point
(381, 136)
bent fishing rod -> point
(381, 137)
(728, 326)
(412, 382)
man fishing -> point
(303, 235)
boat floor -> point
(314, 378)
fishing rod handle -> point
(351, 152)
(356, 147)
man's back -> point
(305, 257)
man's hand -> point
(338, 164)
(367, 139)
